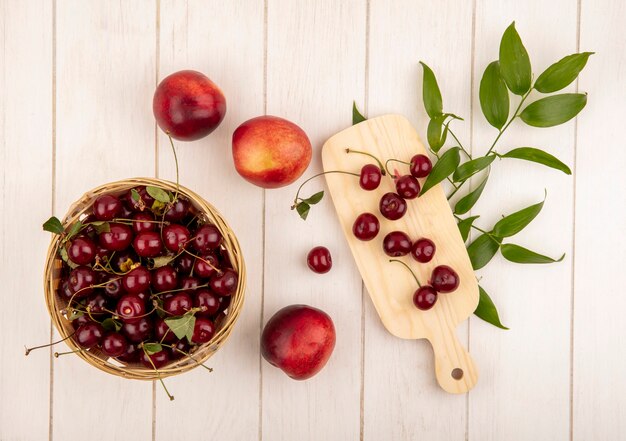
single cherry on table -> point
(319, 260)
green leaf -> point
(182, 326)
(160, 261)
(562, 73)
(482, 250)
(312, 200)
(111, 325)
(158, 207)
(466, 203)
(486, 310)
(465, 226)
(494, 96)
(152, 348)
(65, 258)
(134, 194)
(74, 229)
(514, 62)
(101, 226)
(470, 168)
(303, 209)
(75, 314)
(538, 156)
(431, 93)
(516, 222)
(436, 138)
(53, 225)
(158, 194)
(357, 117)
(443, 168)
(554, 110)
(518, 254)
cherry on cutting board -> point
(425, 297)
(420, 166)
(423, 250)
(407, 187)
(397, 244)
(444, 279)
(319, 260)
(366, 226)
(392, 206)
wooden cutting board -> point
(390, 285)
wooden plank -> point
(207, 36)
(315, 68)
(402, 398)
(105, 132)
(391, 286)
(526, 369)
(25, 202)
(599, 327)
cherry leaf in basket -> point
(160, 261)
(74, 229)
(182, 326)
(65, 258)
(134, 194)
(486, 310)
(158, 194)
(152, 348)
(517, 254)
(110, 324)
(357, 117)
(158, 207)
(75, 314)
(101, 226)
(53, 225)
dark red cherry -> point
(396, 244)
(179, 349)
(144, 221)
(130, 308)
(366, 226)
(114, 344)
(164, 278)
(178, 303)
(425, 297)
(392, 206)
(205, 267)
(370, 177)
(118, 238)
(224, 304)
(224, 284)
(82, 250)
(137, 280)
(64, 290)
(97, 304)
(131, 354)
(203, 330)
(148, 244)
(189, 283)
(208, 303)
(138, 331)
(145, 200)
(444, 279)
(184, 263)
(89, 335)
(407, 187)
(113, 287)
(319, 260)
(162, 332)
(423, 250)
(156, 360)
(79, 321)
(420, 166)
(175, 236)
(81, 281)
(125, 212)
(206, 238)
(106, 207)
(178, 210)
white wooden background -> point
(76, 84)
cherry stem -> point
(188, 355)
(380, 164)
(170, 396)
(58, 354)
(410, 270)
(179, 289)
(394, 160)
(176, 162)
(28, 350)
(295, 201)
(219, 271)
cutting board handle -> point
(454, 367)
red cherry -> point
(366, 226)
(130, 308)
(164, 278)
(396, 244)
(178, 304)
(208, 303)
(140, 226)
(206, 266)
(145, 200)
(81, 281)
(407, 187)
(444, 279)
(131, 355)
(114, 344)
(136, 280)
(156, 360)
(175, 236)
(370, 177)
(162, 332)
(420, 166)
(207, 238)
(423, 250)
(425, 297)
(189, 283)
(138, 331)
(319, 260)
(118, 238)
(224, 284)
(184, 263)
(89, 335)
(392, 206)
(113, 287)
(82, 250)
(177, 211)
(106, 207)
(203, 330)
(148, 244)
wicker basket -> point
(57, 305)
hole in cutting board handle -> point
(457, 373)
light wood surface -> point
(76, 84)
(390, 284)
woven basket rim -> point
(95, 357)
